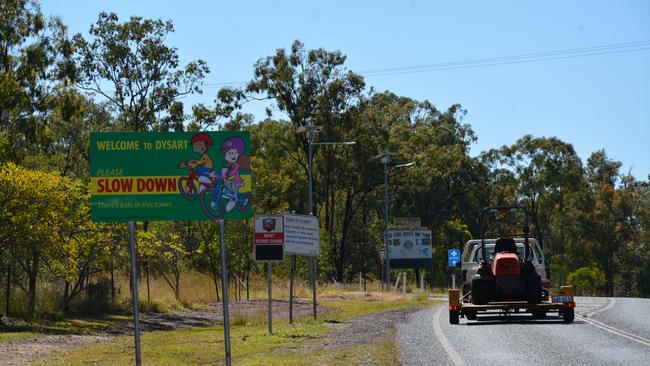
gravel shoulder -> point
(23, 351)
(363, 330)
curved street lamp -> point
(385, 159)
(309, 131)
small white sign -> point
(301, 235)
(409, 244)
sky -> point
(593, 102)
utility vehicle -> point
(508, 278)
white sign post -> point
(268, 237)
(301, 235)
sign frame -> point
(416, 254)
(268, 238)
(302, 235)
(170, 176)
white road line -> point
(453, 355)
(619, 332)
(598, 310)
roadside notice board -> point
(301, 235)
(410, 248)
(268, 238)
(170, 176)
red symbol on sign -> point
(268, 224)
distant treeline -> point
(592, 218)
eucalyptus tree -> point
(35, 59)
(547, 171)
(130, 65)
(611, 217)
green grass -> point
(352, 308)
(381, 353)
(251, 343)
(17, 336)
(70, 325)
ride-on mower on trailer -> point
(506, 280)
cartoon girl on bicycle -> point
(234, 150)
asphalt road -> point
(606, 331)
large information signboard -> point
(301, 235)
(410, 248)
(170, 176)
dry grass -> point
(197, 290)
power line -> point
(504, 62)
(584, 50)
(614, 48)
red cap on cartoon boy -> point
(202, 137)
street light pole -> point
(309, 131)
(312, 259)
(386, 251)
(385, 159)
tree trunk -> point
(215, 277)
(610, 275)
(177, 288)
(8, 293)
(148, 293)
(66, 296)
(248, 284)
(112, 281)
(33, 274)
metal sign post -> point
(292, 275)
(151, 176)
(453, 257)
(270, 284)
(302, 237)
(224, 289)
(313, 285)
(134, 287)
(453, 280)
(268, 237)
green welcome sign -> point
(147, 176)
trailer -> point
(561, 303)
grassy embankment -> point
(291, 344)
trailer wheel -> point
(534, 290)
(568, 315)
(479, 291)
(470, 315)
(454, 316)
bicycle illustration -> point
(187, 185)
(213, 195)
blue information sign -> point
(453, 257)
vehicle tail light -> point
(571, 304)
(454, 307)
